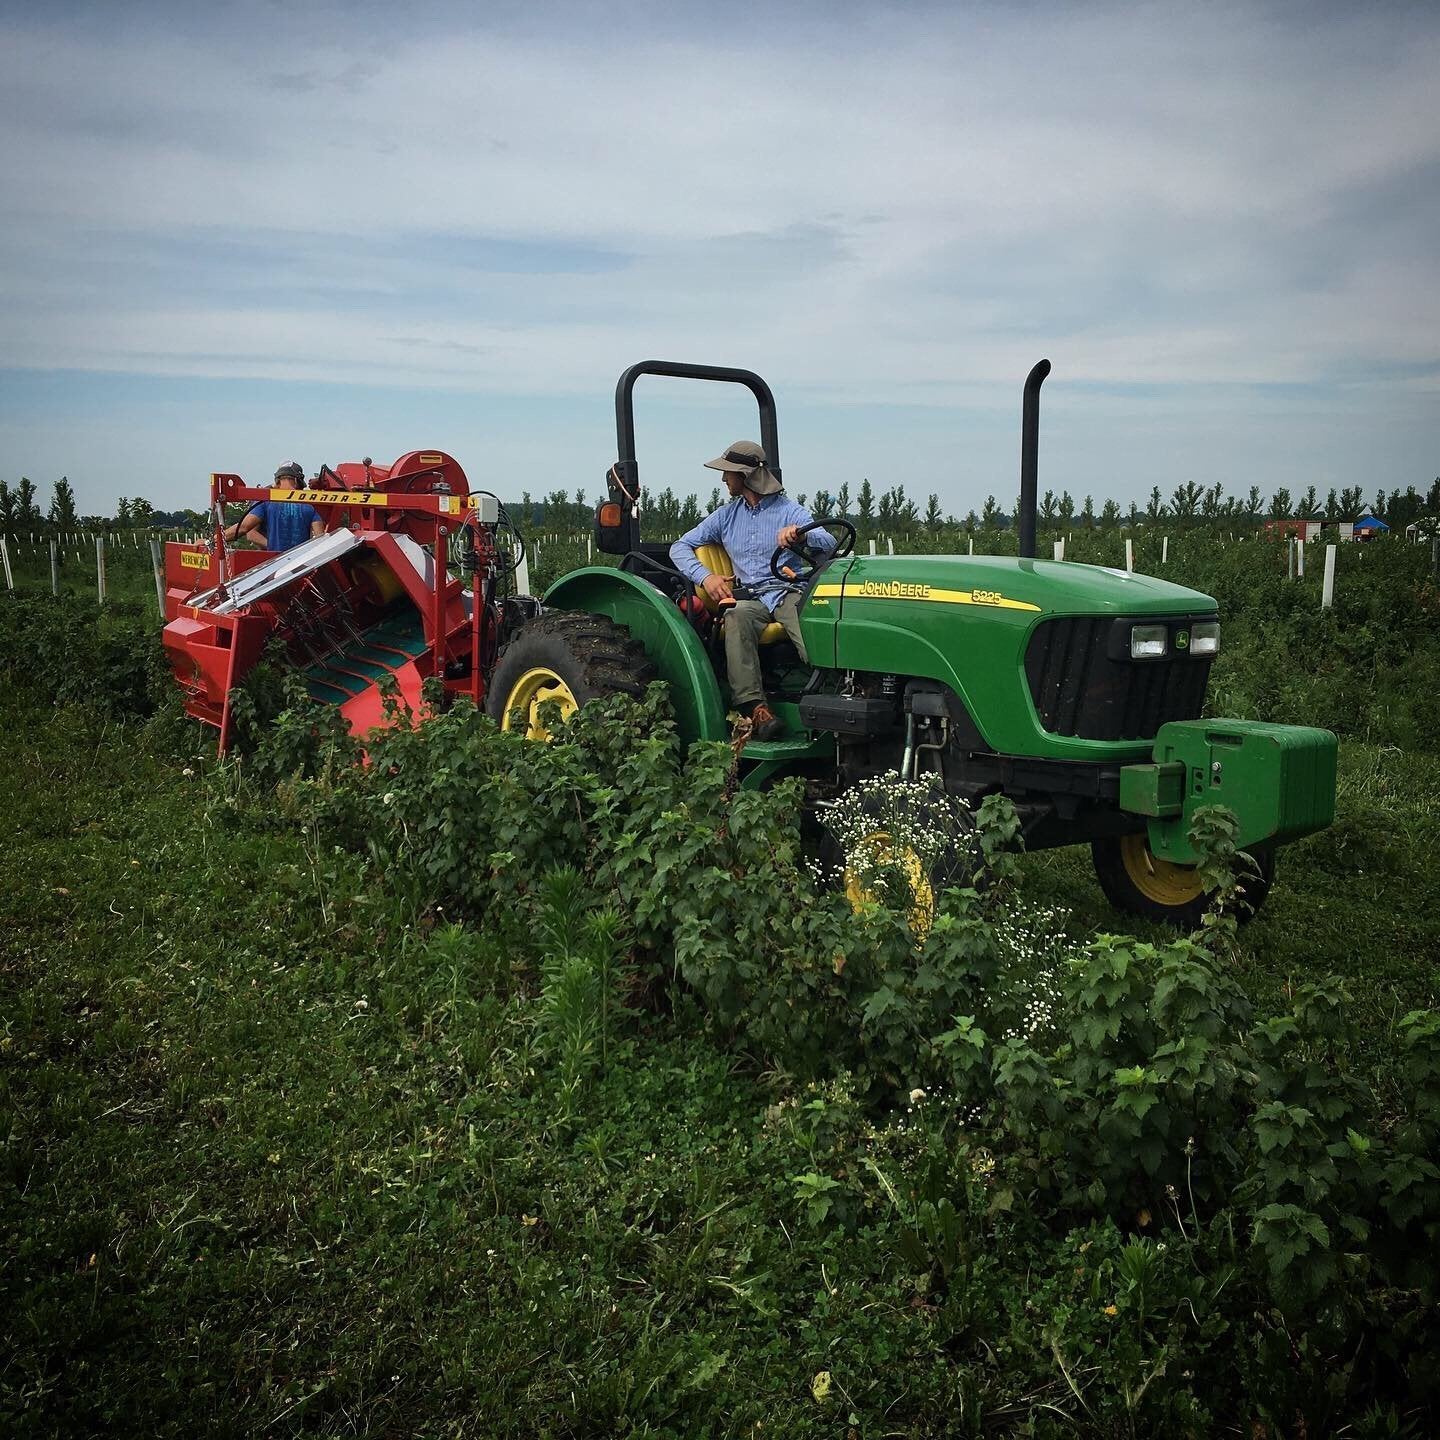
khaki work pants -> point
(743, 623)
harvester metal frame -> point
(213, 644)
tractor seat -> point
(716, 559)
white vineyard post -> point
(100, 568)
(972, 544)
(5, 556)
(522, 576)
(54, 569)
(159, 572)
(872, 547)
(1165, 550)
(1290, 558)
(1327, 585)
(1299, 559)
(1129, 555)
(889, 544)
(1059, 548)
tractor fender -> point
(669, 640)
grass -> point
(282, 1156)
(1360, 900)
(281, 1159)
(277, 1163)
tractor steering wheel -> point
(811, 558)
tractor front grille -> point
(1082, 687)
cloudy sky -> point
(232, 235)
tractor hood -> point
(1021, 642)
(1049, 587)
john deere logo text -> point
(894, 590)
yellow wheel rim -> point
(528, 693)
(1158, 880)
(877, 849)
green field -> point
(326, 1114)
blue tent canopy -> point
(1370, 522)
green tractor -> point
(1075, 690)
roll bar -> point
(625, 405)
(624, 479)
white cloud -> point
(908, 206)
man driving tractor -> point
(759, 517)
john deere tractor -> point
(1075, 690)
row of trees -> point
(20, 509)
(20, 506)
(889, 510)
(892, 510)
(1192, 504)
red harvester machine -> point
(373, 598)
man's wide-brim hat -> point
(746, 459)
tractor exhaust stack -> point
(1029, 456)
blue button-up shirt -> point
(749, 537)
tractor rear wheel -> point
(568, 657)
(1139, 882)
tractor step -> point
(796, 742)
(799, 747)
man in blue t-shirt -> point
(279, 524)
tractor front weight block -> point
(1278, 780)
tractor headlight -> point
(1205, 638)
(1148, 642)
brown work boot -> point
(765, 724)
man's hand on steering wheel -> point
(792, 539)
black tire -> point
(590, 656)
(1135, 881)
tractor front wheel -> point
(1139, 882)
(904, 841)
(568, 657)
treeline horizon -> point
(1189, 504)
(892, 509)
